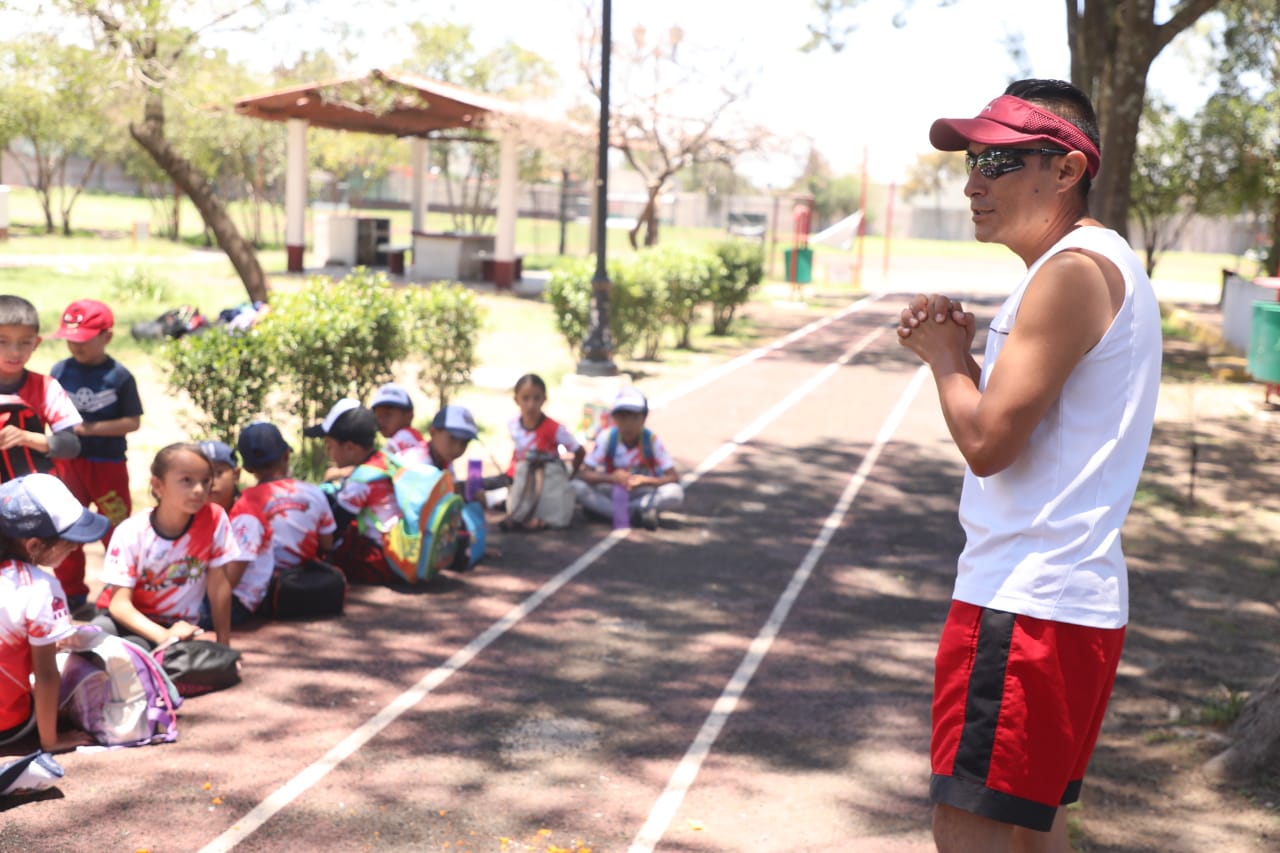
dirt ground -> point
(1202, 543)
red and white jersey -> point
(373, 504)
(40, 405)
(45, 396)
(33, 612)
(168, 576)
(254, 538)
(630, 458)
(409, 445)
(548, 437)
(296, 513)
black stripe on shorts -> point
(986, 692)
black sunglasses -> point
(995, 162)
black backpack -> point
(174, 323)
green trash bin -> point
(803, 272)
(1264, 342)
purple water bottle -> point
(621, 507)
(475, 479)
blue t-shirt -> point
(101, 392)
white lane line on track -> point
(312, 774)
(750, 431)
(755, 354)
(664, 810)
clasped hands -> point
(935, 325)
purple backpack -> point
(115, 691)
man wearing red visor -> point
(1054, 426)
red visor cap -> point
(1011, 121)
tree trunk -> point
(150, 135)
(1255, 739)
(651, 222)
(648, 219)
(1112, 47)
(1273, 254)
(68, 203)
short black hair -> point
(356, 425)
(1068, 102)
(16, 311)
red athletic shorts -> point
(1017, 705)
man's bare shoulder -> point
(1069, 301)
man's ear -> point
(1073, 168)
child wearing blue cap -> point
(40, 523)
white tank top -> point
(1043, 535)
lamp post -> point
(597, 349)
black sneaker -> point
(648, 518)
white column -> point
(295, 193)
(418, 163)
(505, 242)
(508, 173)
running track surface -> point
(754, 676)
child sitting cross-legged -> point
(393, 410)
(249, 587)
(163, 561)
(40, 523)
(629, 455)
(299, 520)
(364, 508)
(540, 494)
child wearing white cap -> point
(40, 522)
(393, 410)
(628, 454)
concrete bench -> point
(395, 256)
(488, 270)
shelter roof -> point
(386, 102)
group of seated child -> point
(205, 555)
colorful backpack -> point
(115, 691)
(425, 538)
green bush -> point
(228, 377)
(442, 323)
(569, 292)
(336, 340)
(688, 274)
(639, 299)
(138, 284)
(743, 271)
(324, 342)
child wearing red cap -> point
(106, 396)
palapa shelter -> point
(403, 105)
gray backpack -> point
(541, 490)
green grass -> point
(537, 239)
